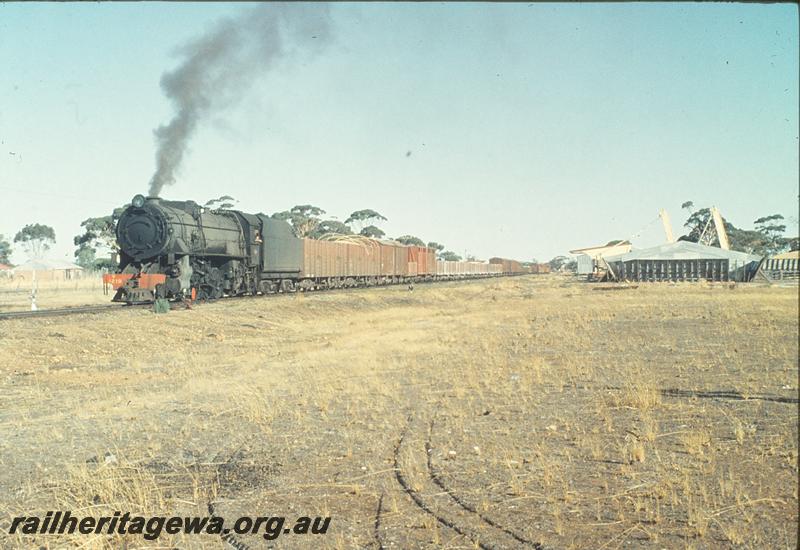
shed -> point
(683, 261)
(587, 257)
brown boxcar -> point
(430, 261)
(509, 266)
(401, 259)
(369, 258)
(323, 259)
(373, 258)
(421, 260)
(364, 259)
(388, 252)
(414, 262)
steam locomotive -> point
(178, 250)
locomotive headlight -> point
(138, 201)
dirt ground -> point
(530, 412)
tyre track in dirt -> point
(435, 499)
(377, 531)
(434, 476)
(228, 537)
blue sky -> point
(532, 129)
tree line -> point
(765, 239)
(309, 221)
(96, 244)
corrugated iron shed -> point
(685, 250)
(683, 260)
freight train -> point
(178, 250)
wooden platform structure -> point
(781, 267)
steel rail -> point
(7, 315)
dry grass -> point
(15, 293)
(111, 483)
(531, 406)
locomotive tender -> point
(178, 249)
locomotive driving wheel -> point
(210, 286)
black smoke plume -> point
(219, 66)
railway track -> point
(8, 315)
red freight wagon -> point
(422, 259)
(364, 259)
(401, 259)
(369, 258)
(324, 258)
(394, 258)
(509, 266)
(430, 261)
(344, 259)
(499, 261)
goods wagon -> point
(421, 261)
(324, 259)
(391, 258)
(363, 258)
(466, 269)
(510, 267)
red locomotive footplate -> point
(116, 280)
(145, 280)
(150, 280)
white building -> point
(48, 270)
(587, 257)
